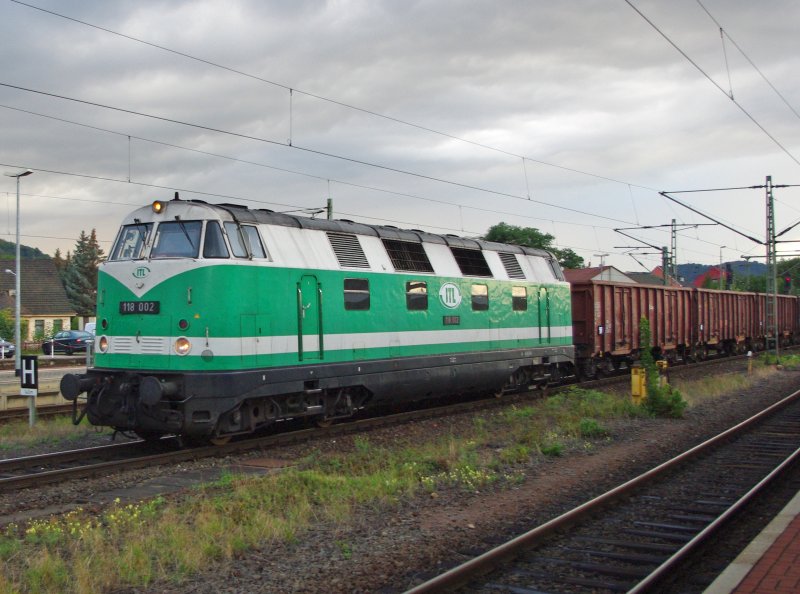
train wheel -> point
(148, 436)
(220, 440)
(324, 423)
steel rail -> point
(464, 573)
(27, 462)
(208, 451)
(253, 443)
(681, 554)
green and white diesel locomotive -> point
(216, 320)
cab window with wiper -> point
(177, 239)
(131, 242)
(236, 240)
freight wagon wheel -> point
(220, 440)
(324, 423)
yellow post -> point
(663, 379)
(638, 384)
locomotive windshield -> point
(131, 242)
(177, 239)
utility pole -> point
(772, 272)
(665, 263)
(602, 263)
(673, 264)
(329, 208)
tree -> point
(533, 238)
(80, 274)
(61, 263)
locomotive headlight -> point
(159, 207)
(102, 344)
(183, 346)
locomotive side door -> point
(309, 318)
(544, 315)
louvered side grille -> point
(511, 264)
(348, 250)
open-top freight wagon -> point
(685, 323)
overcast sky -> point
(448, 116)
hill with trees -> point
(8, 251)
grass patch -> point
(50, 430)
(789, 361)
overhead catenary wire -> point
(294, 208)
(305, 149)
(326, 179)
(290, 140)
(713, 82)
(746, 57)
(291, 90)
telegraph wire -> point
(307, 150)
(746, 57)
(289, 171)
(189, 191)
(713, 82)
(267, 202)
(383, 116)
(292, 90)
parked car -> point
(68, 341)
(7, 348)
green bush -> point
(661, 401)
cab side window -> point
(214, 246)
(254, 241)
(236, 239)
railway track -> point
(630, 538)
(45, 411)
(44, 469)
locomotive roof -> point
(269, 217)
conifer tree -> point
(80, 274)
(60, 262)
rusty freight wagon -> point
(605, 323)
(786, 317)
(725, 322)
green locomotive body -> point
(215, 320)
